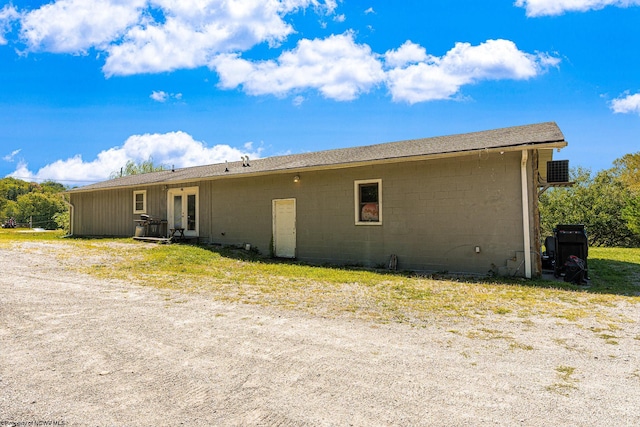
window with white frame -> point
(368, 201)
(140, 202)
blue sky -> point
(86, 85)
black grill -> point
(153, 227)
(570, 239)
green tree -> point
(39, 208)
(11, 188)
(631, 213)
(597, 202)
(133, 168)
(628, 169)
(556, 204)
(21, 200)
(52, 187)
(9, 210)
(62, 220)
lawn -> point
(615, 270)
(243, 277)
(8, 235)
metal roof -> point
(506, 138)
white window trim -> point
(356, 198)
(144, 201)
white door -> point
(183, 210)
(284, 228)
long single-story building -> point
(463, 203)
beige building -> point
(462, 203)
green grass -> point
(242, 277)
(566, 383)
(615, 270)
(8, 235)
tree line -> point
(30, 203)
(607, 203)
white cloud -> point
(627, 104)
(151, 36)
(75, 169)
(368, 11)
(558, 7)
(189, 40)
(9, 157)
(341, 69)
(408, 53)
(433, 77)
(330, 6)
(8, 14)
(177, 149)
(336, 66)
(74, 26)
(180, 149)
(340, 18)
(162, 96)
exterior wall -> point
(434, 213)
(110, 212)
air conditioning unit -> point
(558, 171)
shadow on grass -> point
(613, 271)
(253, 255)
(614, 277)
(606, 276)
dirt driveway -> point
(79, 351)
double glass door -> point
(183, 210)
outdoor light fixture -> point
(296, 178)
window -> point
(140, 202)
(368, 202)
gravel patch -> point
(78, 351)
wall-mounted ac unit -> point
(558, 171)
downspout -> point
(71, 211)
(525, 214)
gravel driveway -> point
(75, 350)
